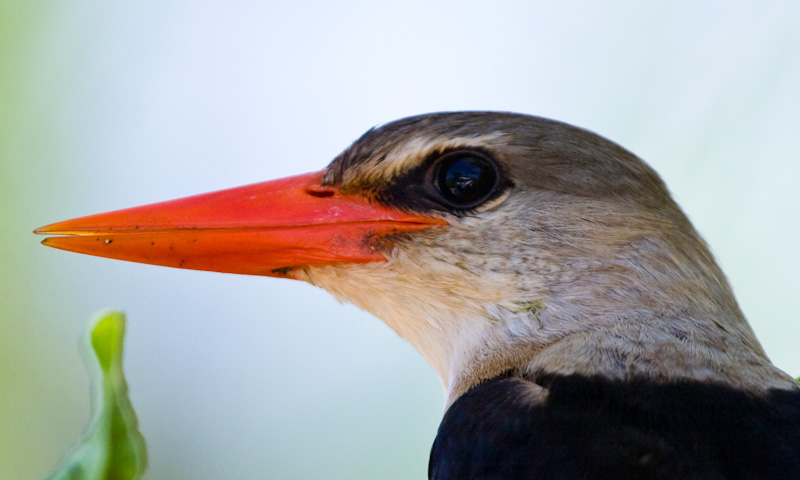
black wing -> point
(594, 428)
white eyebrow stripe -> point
(408, 155)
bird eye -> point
(465, 179)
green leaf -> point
(112, 448)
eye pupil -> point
(466, 180)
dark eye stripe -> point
(455, 181)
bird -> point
(579, 324)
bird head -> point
(493, 242)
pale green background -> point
(110, 104)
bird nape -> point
(578, 322)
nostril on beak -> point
(320, 191)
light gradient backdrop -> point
(105, 105)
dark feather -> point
(593, 428)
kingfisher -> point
(578, 322)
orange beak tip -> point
(52, 229)
(60, 243)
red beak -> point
(259, 229)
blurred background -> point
(105, 105)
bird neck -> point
(662, 311)
(649, 306)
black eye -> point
(465, 179)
